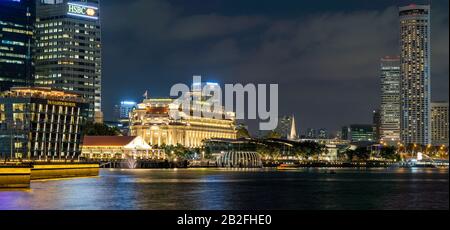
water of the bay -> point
(215, 189)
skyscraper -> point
(68, 49)
(415, 74)
(439, 123)
(390, 100)
(16, 43)
(376, 121)
(287, 128)
(126, 107)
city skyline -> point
(223, 105)
(165, 55)
(60, 63)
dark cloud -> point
(326, 61)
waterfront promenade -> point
(20, 175)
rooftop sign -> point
(83, 11)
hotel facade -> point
(152, 120)
(41, 124)
(415, 42)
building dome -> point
(239, 160)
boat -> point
(288, 167)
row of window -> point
(68, 43)
(17, 31)
(60, 23)
(59, 56)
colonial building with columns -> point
(152, 120)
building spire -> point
(293, 132)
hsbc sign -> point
(83, 11)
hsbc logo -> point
(82, 11)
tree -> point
(242, 132)
(299, 153)
(309, 149)
(362, 153)
(97, 129)
(389, 153)
(273, 135)
(358, 154)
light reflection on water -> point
(260, 189)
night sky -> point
(323, 54)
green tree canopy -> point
(97, 129)
(273, 135)
(388, 152)
(242, 132)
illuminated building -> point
(287, 128)
(152, 120)
(358, 133)
(41, 123)
(122, 111)
(376, 121)
(120, 147)
(390, 100)
(121, 116)
(415, 74)
(234, 153)
(68, 49)
(16, 43)
(317, 133)
(439, 123)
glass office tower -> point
(16, 43)
(68, 49)
(390, 100)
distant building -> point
(439, 123)
(287, 128)
(116, 113)
(376, 125)
(358, 133)
(415, 44)
(125, 109)
(152, 120)
(311, 133)
(16, 43)
(390, 111)
(323, 134)
(41, 123)
(121, 116)
(107, 148)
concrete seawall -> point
(41, 172)
(15, 177)
(22, 176)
